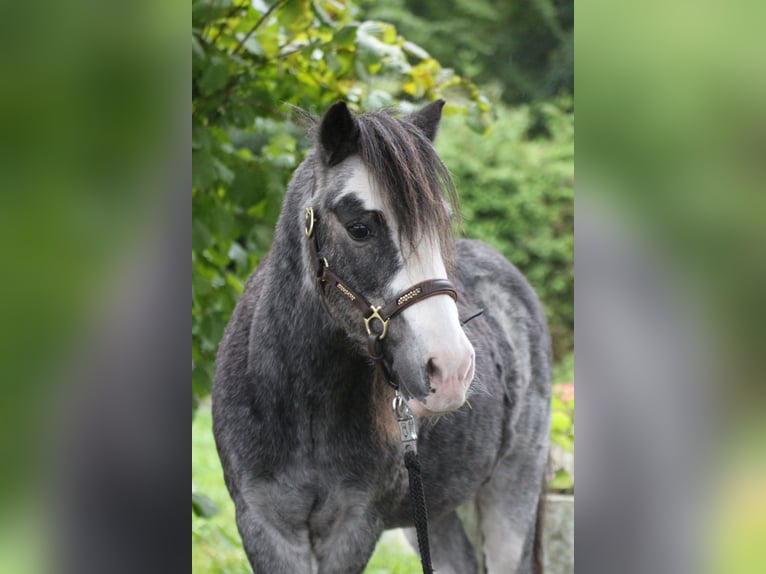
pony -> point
(302, 414)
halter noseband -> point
(371, 313)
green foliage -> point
(516, 188)
(563, 370)
(562, 425)
(562, 434)
(216, 546)
(250, 62)
(525, 46)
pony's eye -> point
(359, 231)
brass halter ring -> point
(309, 221)
(376, 315)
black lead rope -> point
(409, 437)
(419, 511)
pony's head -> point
(384, 224)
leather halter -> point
(376, 317)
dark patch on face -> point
(350, 209)
(366, 266)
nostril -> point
(431, 368)
(432, 371)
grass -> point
(216, 547)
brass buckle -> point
(309, 221)
(376, 315)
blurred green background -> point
(505, 70)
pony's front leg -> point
(348, 546)
(272, 549)
(508, 507)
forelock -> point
(412, 179)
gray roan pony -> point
(302, 415)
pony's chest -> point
(325, 491)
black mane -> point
(414, 179)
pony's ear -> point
(427, 118)
(338, 134)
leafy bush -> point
(516, 187)
(524, 47)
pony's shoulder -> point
(483, 271)
(475, 257)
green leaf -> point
(206, 11)
(201, 381)
(201, 236)
(295, 15)
(346, 36)
(374, 45)
(203, 505)
(415, 51)
(258, 210)
(235, 283)
(223, 172)
(561, 480)
(200, 137)
(214, 77)
(476, 120)
(198, 54)
(260, 5)
(324, 18)
(203, 168)
(249, 185)
(238, 255)
(253, 46)
(457, 94)
(378, 99)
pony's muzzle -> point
(449, 375)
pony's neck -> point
(291, 279)
(306, 338)
(312, 341)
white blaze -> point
(435, 320)
(361, 185)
